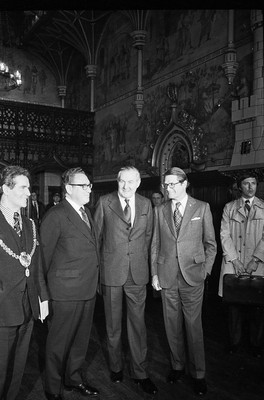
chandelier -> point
(8, 80)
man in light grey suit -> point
(124, 220)
(182, 255)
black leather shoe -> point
(116, 377)
(147, 385)
(50, 396)
(200, 386)
(84, 389)
(175, 375)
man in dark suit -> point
(56, 198)
(23, 292)
(71, 262)
(182, 255)
(124, 222)
(36, 209)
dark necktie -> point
(177, 218)
(17, 223)
(127, 211)
(85, 217)
(35, 205)
(247, 206)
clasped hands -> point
(240, 269)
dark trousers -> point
(69, 331)
(14, 344)
(135, 296)
(250, 315)
(182, 311)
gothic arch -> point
(173, 146)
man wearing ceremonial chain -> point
(23, 292)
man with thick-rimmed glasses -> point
(71, 263)
(182, 255)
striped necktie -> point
(17, 223)
(247, 206)
(177, 217)
(127, 211)
(85, 217)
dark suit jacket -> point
(70, 251)
(194, 248)
(121, 246)
(12, 274)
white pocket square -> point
(195, 218)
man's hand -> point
(252, 266)
(155, 282)
(238, 267)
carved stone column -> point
(91, 72)
(62, 94)
(230, 65)
(258, 78)
(139, 40)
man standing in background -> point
(242, 238)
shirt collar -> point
(250, 200)
(74, 205)
(183, 202)
(9, 214)
(131, 200)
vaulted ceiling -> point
(56, 36)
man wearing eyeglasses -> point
(182, 255)
(124, 220)
(71, 258)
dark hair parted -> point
(8, 175)
(245, 176)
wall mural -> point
(38, 84)
(203, 93)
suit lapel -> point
(167, 212)
(115, 205)
(76, 220)
(188, 213)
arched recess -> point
(173, 148)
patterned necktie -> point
(85, 217)
(127, 211)
(177, 218)
(247, 206)
(17, 223)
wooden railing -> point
(33, 135)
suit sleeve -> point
(149, 228)
(228, 246)
(155, 244)
(209, 242)
(99, 219)
(49, 235)
(41, 282)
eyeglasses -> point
(84, 186)
(171, 185)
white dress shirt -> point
(132, 206)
